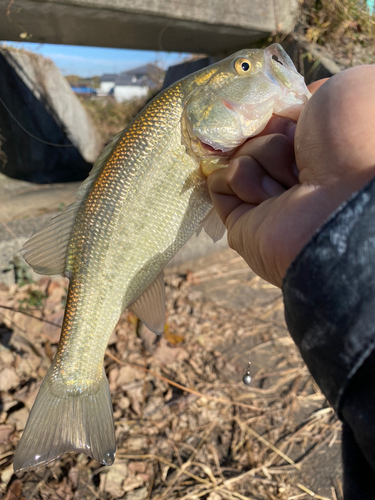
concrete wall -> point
(204, 26)
(48, 137)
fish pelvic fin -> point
(213, 226)
(150, 306)
(64, 421)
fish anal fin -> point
(150, 306)
(61, 422)
(213, 226)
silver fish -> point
(144, 198)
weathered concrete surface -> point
(208, 26)
(25, 208)
(47, 135)
(48, 85)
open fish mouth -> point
(217, 151)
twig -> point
(187, 464)
(267, 443)
(29, 315)
(220, 487)
(311, 493)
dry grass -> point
(346, 28)
(109, 116)
(186, 426)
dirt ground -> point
(186, 425)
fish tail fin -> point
(63, 421)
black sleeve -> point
(329, 296)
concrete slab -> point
(213, 27)
(23, 200)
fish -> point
(145, 196)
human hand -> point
(276, 193)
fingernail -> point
(291, 130)
(271, 187)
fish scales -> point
(108, 248)
(144, 198)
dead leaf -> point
(168, 355)
(123, 403)
(149, 339)
(172, 338)
(28, 365)
(56, 296)
(132, 319)
(131, 483)
(136, 443)
(112, 378)
(6, 355)
(214, 496)
(128, 374)
(73, 478)
(5, 432)
(111, 481)
(6, 474)
(113, 338)
(29, 398)
(19, 418)
(15, 491)
(8, 379)
(50, 331)
(63, 491)
(139, 494)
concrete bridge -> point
(200, 26)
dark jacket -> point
(329, 295)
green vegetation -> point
(34, 300)
(22, 272)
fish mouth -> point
(216, 151)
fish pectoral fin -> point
(62, 421)
(150, 306)
(46, 250)
(213, 226)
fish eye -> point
(275, 58)
(242, 66)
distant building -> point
(133, 83)
(84, 91)
(107, 82)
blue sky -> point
(91, 61)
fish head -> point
(235, 98)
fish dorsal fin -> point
(213, 226)
(150, 306)
(46, 250)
